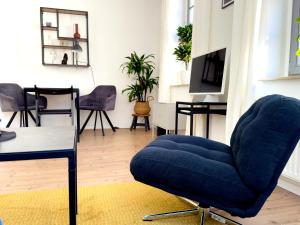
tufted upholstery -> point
(12, 98)
(267, 132)
(237, 178)
(102, 98)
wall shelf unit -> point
(57, 29)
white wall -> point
(116, 28)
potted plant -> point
(183, 51)
(140, 70)
(297, 53)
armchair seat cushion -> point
(194, 168)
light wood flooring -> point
(106, 160)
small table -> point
(34, 143)
(76, 91)
(192, 108)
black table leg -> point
(176, 119)
(191, 124)
(76, 190)
(72, 188)
(78, 115)
(207, 125)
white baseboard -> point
(289, 184)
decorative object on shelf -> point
(48, 24)
(76, 34)
(72, 43)
(183, 52)
(140, 70)
(65, 59)
(76, 49)
(226, 3)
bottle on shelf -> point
(76, 34)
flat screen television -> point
(207, 75)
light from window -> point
(190, 13)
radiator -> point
(292, 169)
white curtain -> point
(246, 20)
(173, 15)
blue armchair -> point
(237, 178)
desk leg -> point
(176, 119)
(77, 115)
(207, 125)
(72, 189)
(191, 124)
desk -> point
(192, 108)
(34, 143)
(76, 91)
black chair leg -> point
(31, 115)
(87, 120)
(21, 118)
(95, 124)
(108, 120)
(11, 119)
(101, 122)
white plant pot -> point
(185, 76)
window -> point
(294, 65)
(190, 12)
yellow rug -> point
(112, 204)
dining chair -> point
(12, 100)
(100, 100)
(53, 91)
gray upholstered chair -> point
(12, 100)
(100, 100)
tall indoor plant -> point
(183, 51)
(140, 70)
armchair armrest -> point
(109, 103)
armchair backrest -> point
(264, 139)
(14, 91)
(105, 94)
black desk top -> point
(32, 89)
(201, 103)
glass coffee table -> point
(33, 143)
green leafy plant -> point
(140, 70)
(298, 38)
(183, 52)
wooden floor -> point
(106, 160)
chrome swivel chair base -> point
(197, 210)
